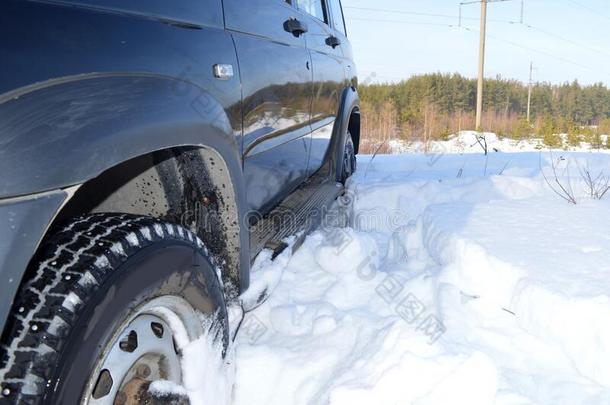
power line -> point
(567, 40)
(590, 9)
(394, 11)
(512, 43)
(401, 22)
(459, 17)
(384, 10)
(527, 48)
(525, 25)
(454, 17)
(464, 3)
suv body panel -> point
(329, 81)
(23, 222)
(276, 84)
(80, 91)
(99, 82)
(196, 12)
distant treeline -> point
(433, 106)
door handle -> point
(333, 41)
(295, 27)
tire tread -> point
(71, 265)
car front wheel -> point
(111, 303)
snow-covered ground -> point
(460, 279)
(466, 142)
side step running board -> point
(299, 214)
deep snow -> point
(460, 279)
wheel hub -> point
(142, 352)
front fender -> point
(65, 132)
(23, 222)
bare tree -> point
(501, 172)
(563, 190)
(379, 126)
(597, 186)
(482, 141)
(461, 171)
(366, 171)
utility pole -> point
(529, 91)
(522, 12)
(481, 64)
(479, 120)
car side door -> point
(329, 77)
(340, 32)
(276, 80)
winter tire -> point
(108, 299)
(349, 159)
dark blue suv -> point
(147, 150)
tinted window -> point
(337, 13)
(313, 7)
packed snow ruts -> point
(460, 279)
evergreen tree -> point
(574, 134)
(450, 100)
(550, 137)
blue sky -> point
(566, 39)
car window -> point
(337, 13)
(314, 7)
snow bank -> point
(460, 279)
(466, 142)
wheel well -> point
(191, 187)
(354, 128)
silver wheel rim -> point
(145, 348)
(347, 159)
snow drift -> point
(460, 279)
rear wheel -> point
(349, 159)
(112, 302)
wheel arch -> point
(348, 119)
(65, 131)
(101, 133)
(196, 187)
